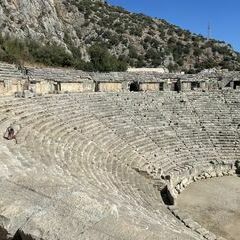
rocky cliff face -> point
(137, 39)
(41, 20)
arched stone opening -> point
(96, 87)
(176, 86)
(195, 85)
(134, 87)
(236, 85)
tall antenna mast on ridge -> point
(209, 30)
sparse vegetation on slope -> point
(17, 51)
(142, 41)
(136, 40)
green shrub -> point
(14, 50)
(172, 67)
(132, 52)
(103, 61)
(50, 55)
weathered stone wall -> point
(51, 86)
(43, 87)
(9, 88)
(150, 87)
(157, 70)
(109, 87)
(87, 87)
(186, 86)
(52, 80)
(71, 87)
(178, 183)
(203, 85)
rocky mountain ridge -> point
(135, 39)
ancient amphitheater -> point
(105, 156)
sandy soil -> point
(215, 204)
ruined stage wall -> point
(47, 81)
(109, 87)
(9, 88)
(149, 87)
(43, 87)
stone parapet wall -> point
(76, 87)
(150, 87)
(213, 169)
(109, 87)
(59, 80)
(158, 70)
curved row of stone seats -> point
(222, 117)
(57, 74)
(187, 128)
(108, 107)
(142, 135)
(9, 72)
(8, 67)
(75, 119)
(207, 135)
(125, 129)
(220, 126)
(93, 160)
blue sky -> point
(194, 15)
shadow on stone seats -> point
(165, 196)
(17, 236)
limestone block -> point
(202, 231)
(109, 87)
(149, 87)
(210, 236)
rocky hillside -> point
(82, 30)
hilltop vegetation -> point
(18, 51)
(95, 36)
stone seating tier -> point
(95, 162)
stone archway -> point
(134, 87)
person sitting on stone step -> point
(10, 134)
